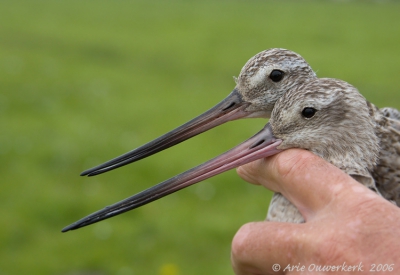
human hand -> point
(346, 223)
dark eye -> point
(276, 75)
(308, 112)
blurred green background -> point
(85, 81)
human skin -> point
(346, 223)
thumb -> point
(306, 180)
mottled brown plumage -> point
(387, 170)
(386, 173)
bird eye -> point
(276, 75)
(308, 112)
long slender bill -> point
(261, 145)
(231, 108)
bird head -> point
(330, 118)
(267, 76)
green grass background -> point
(84, 81)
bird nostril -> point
(257, 144)
(230, 106)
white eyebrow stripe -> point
(260, 76)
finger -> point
(267, 247)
